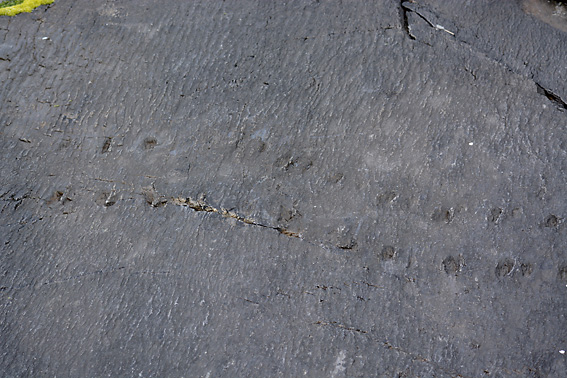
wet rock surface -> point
(266, 189)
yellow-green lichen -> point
(13, 7)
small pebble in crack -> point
(106, 145)
(334, 179)
(451, 265)
(150, 143)
(443, 214)
(552, 221)
(105, 199)
(504, 268)
(388, 252)
(386, 197)
(526, 269)
(495, 215)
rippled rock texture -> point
(254, 188)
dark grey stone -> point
(321, 189)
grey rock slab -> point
(267, 189)
(528, 36)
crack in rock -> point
(338, 325)
(83, 275)
(201, 205)
(156, 200)
(388, 345)
(410, 6)
(404, 19)
(551, 96)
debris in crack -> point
(345, 238)
(152, 197)
(201, 205)
(197, 205)
(346, 242)
(58, 197)
(107, 199)
(551, 96)
(106, 145)
(287, 232)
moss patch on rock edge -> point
(13, 7)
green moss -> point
(10, 3)
(13, 7)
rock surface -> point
(223, 189)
